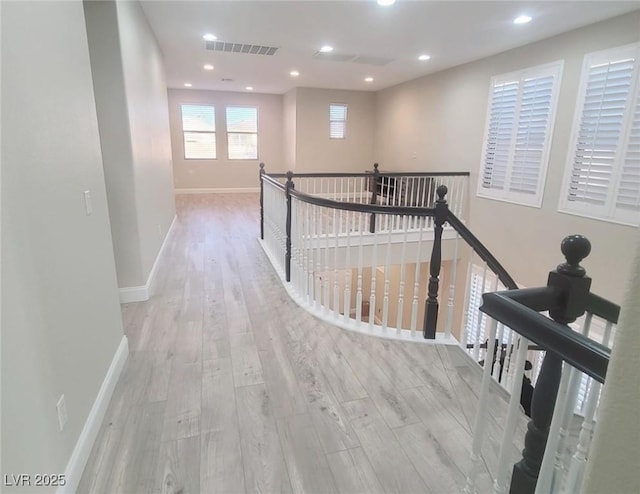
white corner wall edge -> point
(82, 450)
(232, 190)
(141, 293)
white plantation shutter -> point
(199, 131)
(518, 134)
(628, 193)
(504, 98)
(603, 171)
(242, 132)
(337, 121)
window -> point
(518, 133)
(337, 121)
(242, 132)
(602, 178)
(199, 132)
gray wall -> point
(132, 105)
(222, 172)
(60, 313)
(436, 123)
(314, 150)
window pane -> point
(243, 146)
(199, 145)
(242, 119)
(337, 130)
(337, 112)
(198, 117)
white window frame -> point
(343, 121)
(607, 212)
(553, 69)
(211, 132)
(256, 133)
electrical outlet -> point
(87, 202)
(61, 406)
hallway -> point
(230, 387)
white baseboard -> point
(141, 293)
(231, 190)
(82, 450)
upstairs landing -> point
(231, 387)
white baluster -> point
(327, 255)
(317, 292)
(348, 271)
(547, 477)
(360, 263)
(452, 289)
(374, 270)
(336, 285)
(385, 304)
(479, 316)
(513, 412)
(480, 421)
(403, 268)
(416, 284)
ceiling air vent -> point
(372, 60)
(343, 57)
(223, 46)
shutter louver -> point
(337, 121)
(535, 110)
(502, 117)
(602, 179)
(199, 127)
(600, 129)
(629, 188)
(242, 132)
(518, 134)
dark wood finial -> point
(441, 191)
(289, 175)
(375, 166)
(574, 248)
(262, 165)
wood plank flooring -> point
(230, 387)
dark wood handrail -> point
(368, 174)
(603, 308)
(272, 181)
(584, 354)
(482, 251)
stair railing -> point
(555, 447)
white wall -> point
(130, 89)
(315, 152)
(61, 318)
(289, 116)
(147, 105)
(222, 172)
(436, 123)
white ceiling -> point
(452, 32)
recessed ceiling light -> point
(368, 79)
(386, 3)
(522, 19)
(209, 37)
(326, 49)
(424, 57)
(294, 73)
(207, 66)
(249, 88)
(187, 84)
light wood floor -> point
(230, 387)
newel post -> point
(287, 260)
(261, 202)
(431, 304)
(374, 196)
(571, 281)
